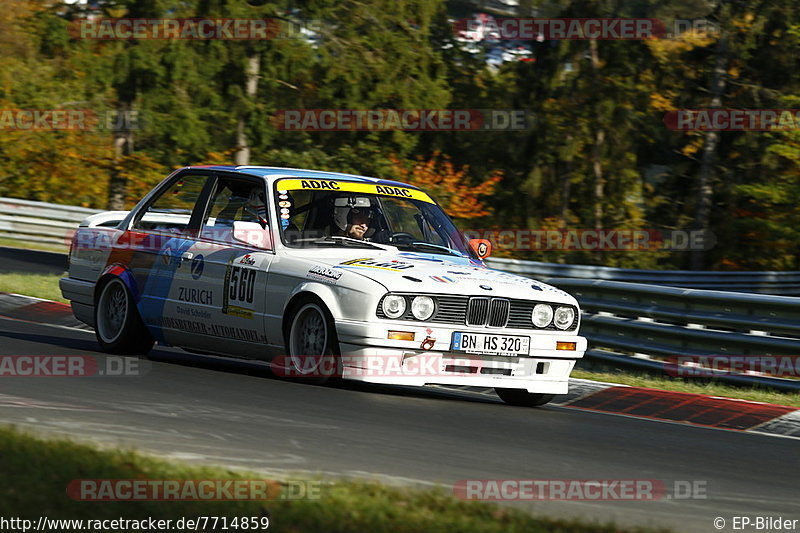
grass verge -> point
(38, 471)
(34, 245)
(698, 386)
(38, 285)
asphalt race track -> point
(209, 410)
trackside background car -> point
(320, 273)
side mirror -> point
(251, 233)
(482, 247)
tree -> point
(451, 187)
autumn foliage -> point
(594, 150)
(452, 187)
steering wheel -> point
(401, 237)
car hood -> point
(437, 274)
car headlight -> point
(542, 315)
(422, 307)
(564, 317)
(394, 306)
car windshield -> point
(327, 213)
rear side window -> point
(237, 200)
(171, 211)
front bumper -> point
(368, 355)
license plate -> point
(490, 344)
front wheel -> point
(118, 327)
(312, 344)
(522, 397)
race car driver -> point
(352, 217)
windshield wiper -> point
(348, 241)
(445, 249)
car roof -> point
(273, 173)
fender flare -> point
(321, 291)
(123, 273)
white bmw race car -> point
(321, 274)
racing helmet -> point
(347, 208)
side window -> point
(171, 211)
(234, 200)
(293, 208)
(237, 200)
(302, 215)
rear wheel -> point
(523, 398)
(311, 343)
(118, 327)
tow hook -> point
(427, 344)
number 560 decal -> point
(240, 284)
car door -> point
(225, 275)
(158, 241)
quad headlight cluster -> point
(421, 307)
(544, 314)
(395, 305)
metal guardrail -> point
(621, 319)
(25, 220)
(664, 368)
(646, 326)
(44, 222)
(764, 282)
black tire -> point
(117, 325)
(312, 347)
(522, 397)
